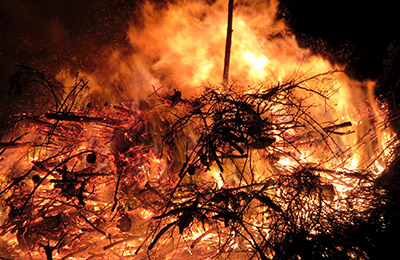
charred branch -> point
(72, 117)
(230, 168)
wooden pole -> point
(228, 43)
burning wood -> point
(106, 183)
(270, 165)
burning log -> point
(8, 145)
(72, 117)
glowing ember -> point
(187, 167)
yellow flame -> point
(182, 45)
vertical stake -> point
(228, 43)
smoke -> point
(60, 33)
(54, 35)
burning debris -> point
(280, 169)
(231, 172)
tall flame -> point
(181, 46)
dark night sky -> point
(354, 32)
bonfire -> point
(277, 161)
